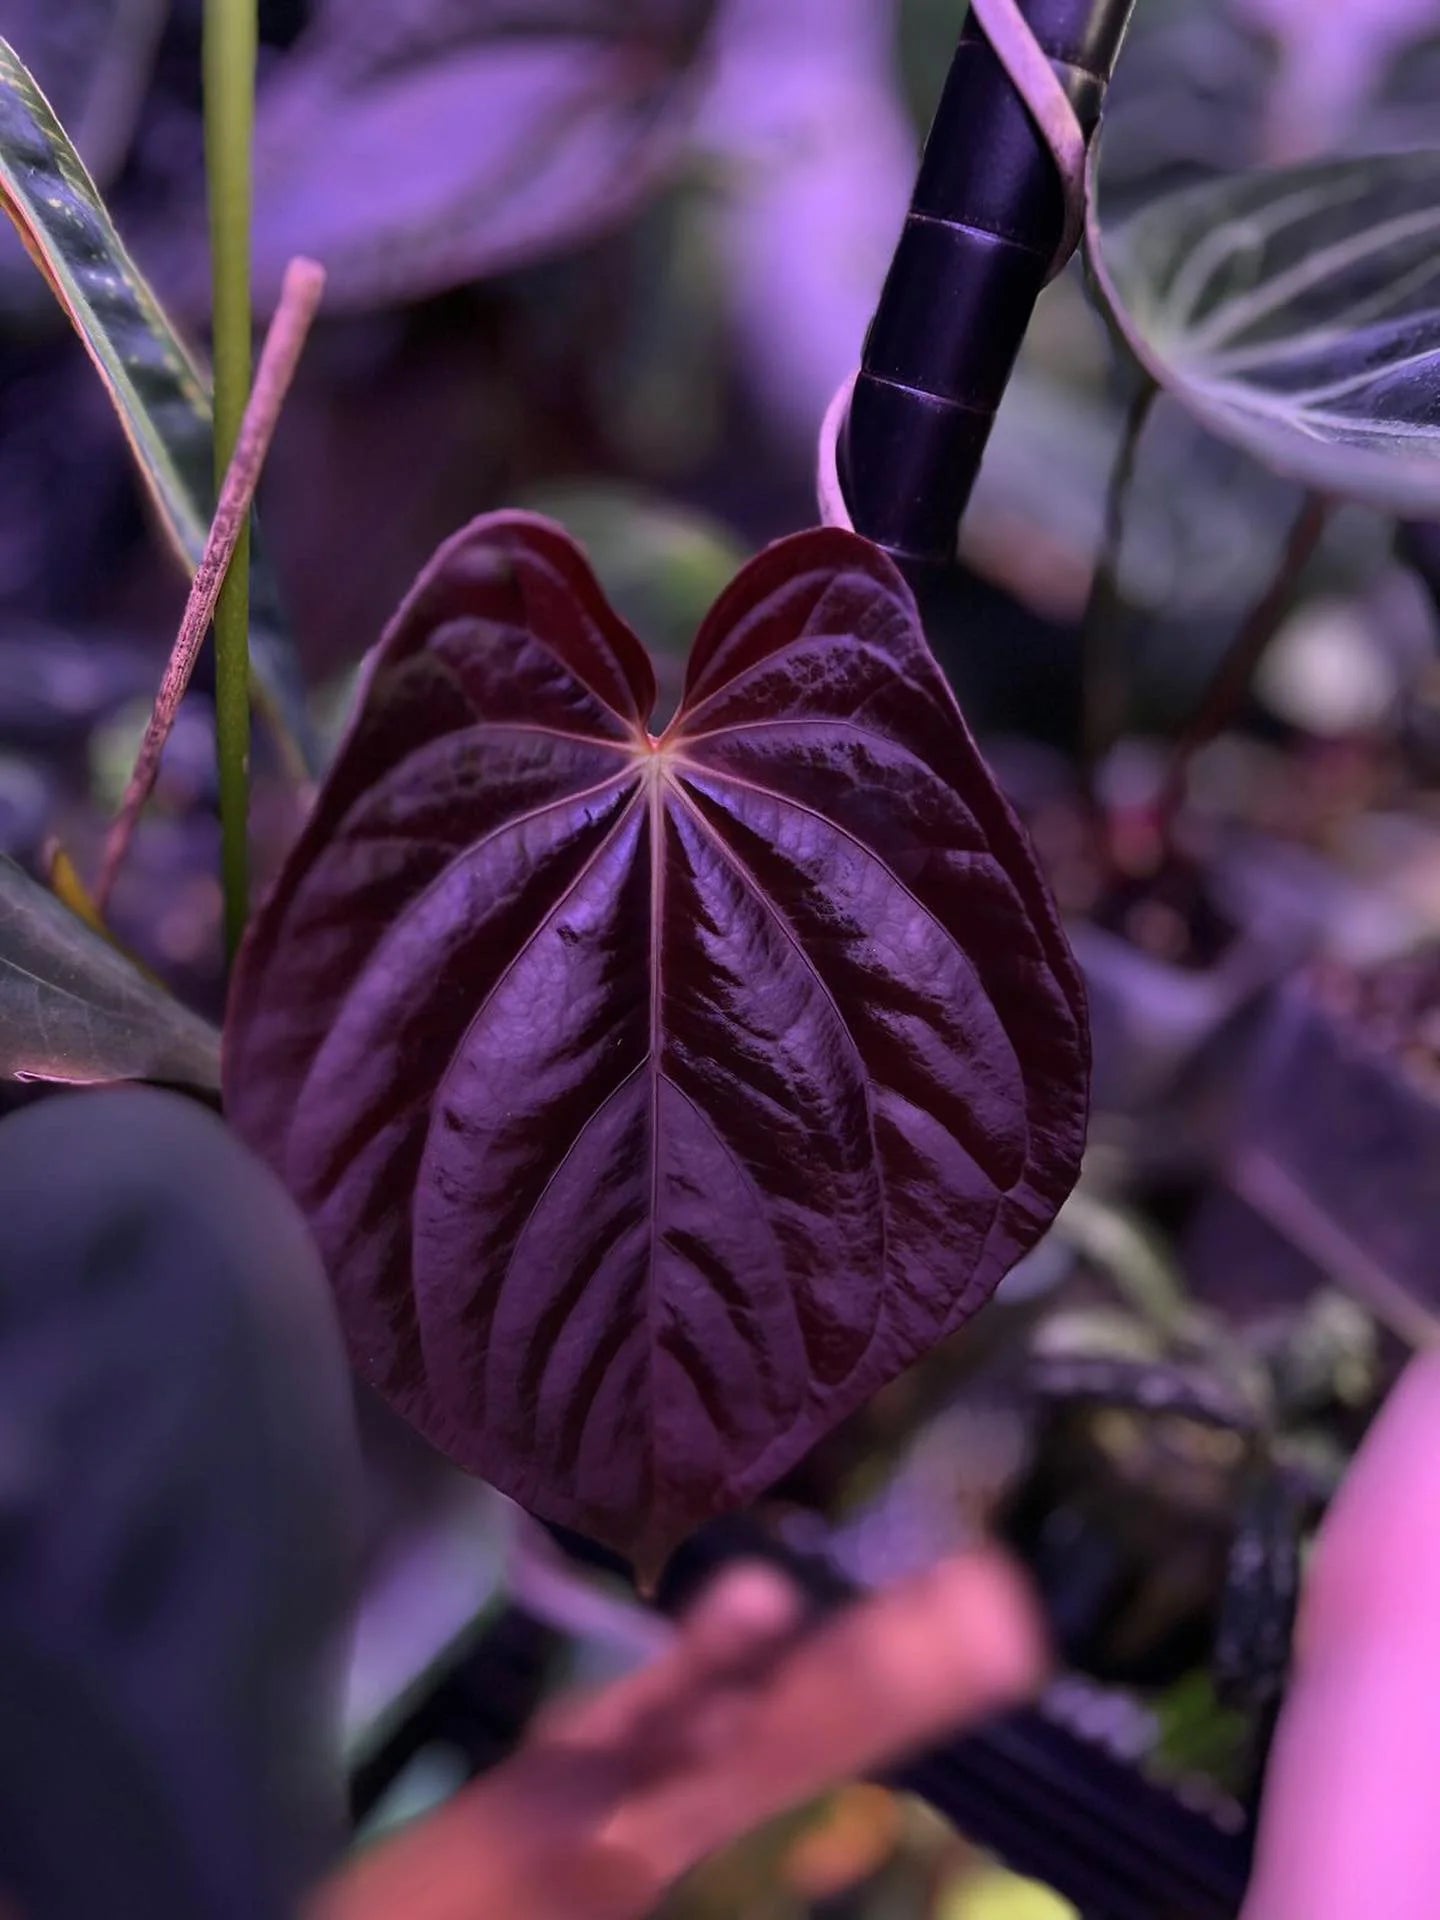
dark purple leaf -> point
(180, 1520)
(655, 1102)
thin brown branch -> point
(1236, 670)
(299, 300)
(1102, 666)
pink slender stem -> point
(299, 300)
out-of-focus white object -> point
(1325, 672)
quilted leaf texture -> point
(656, 1100)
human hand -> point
(748, 1713)
(614, 1797)
(1350, 1822)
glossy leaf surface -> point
(74, 1009)
(1297, 313)
(654, 1102)
(161, 397)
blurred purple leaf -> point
(414, 149)
(421, 148)
(179, 1505)
(92, 58)
(1333, 64)
(655, 1102)
(817, 157)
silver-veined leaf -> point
(160, 395)
(1202, 523)
(74, 1009)
(1296, 313)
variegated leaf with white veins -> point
(1296, 313)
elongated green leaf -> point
(74, 1009)
(160, 395)
(1297, 313)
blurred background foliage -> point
(610, 259)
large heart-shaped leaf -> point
(73, 1008)
(1297, 314)
(161, 397)
(655, 1101)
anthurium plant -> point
(658, 1089)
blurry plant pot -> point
(1338, 1157)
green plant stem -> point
(1232, 677)
(229, 60)
(1101, 664)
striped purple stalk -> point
(985, 224)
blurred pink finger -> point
(1350, 1826)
